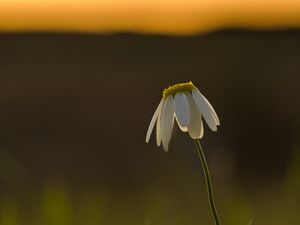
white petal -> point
(158, 136)
(153, 120)
(167, 122)
(184, 129)
(182, 110)
(212, 110)
(195, 126)
(205, 109)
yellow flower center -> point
(182, 87)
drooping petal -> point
(158, 136)
(182, 110)
(211, 109)
(205, 109)
(184, 129)
(195, 127)
(153, 120)
(167, 122)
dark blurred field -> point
(74, 110)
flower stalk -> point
(208, 182)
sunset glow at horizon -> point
(148, 16)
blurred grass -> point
(9, 211)
(57, 206)
(92, 207)
(59, 203)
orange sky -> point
(159, 16)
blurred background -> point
(80, 81)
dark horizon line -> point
(228, 30)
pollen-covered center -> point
(182, 87)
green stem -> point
(208, 182)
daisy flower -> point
(184, 103)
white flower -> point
(187, 105)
